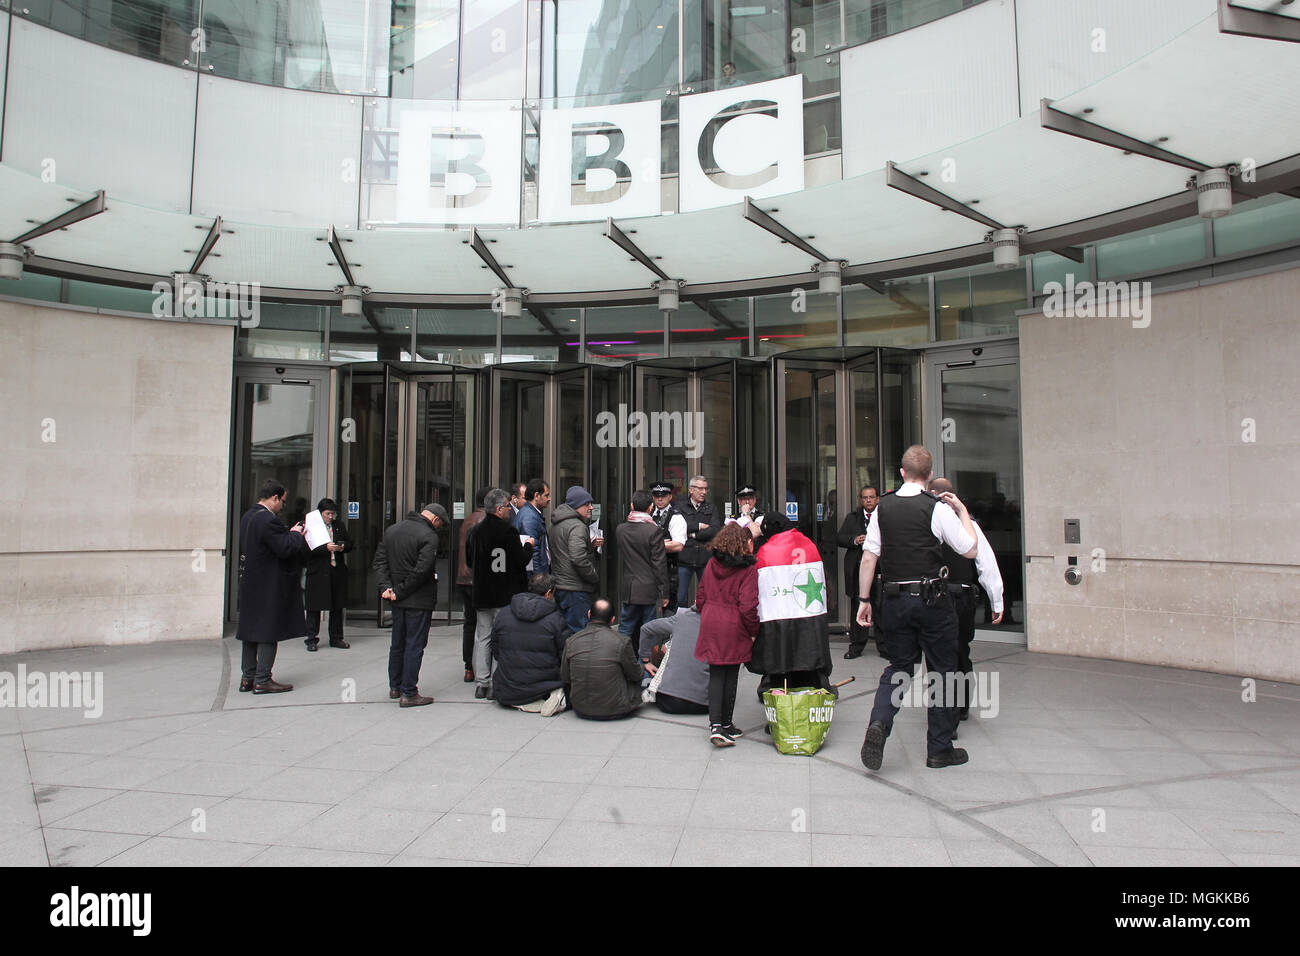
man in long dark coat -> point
(326, 586)
(270, 600)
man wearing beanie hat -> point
(573, 565)
(404, 567)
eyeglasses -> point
(699, 487)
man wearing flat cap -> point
(404, 567)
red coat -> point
(727, 600)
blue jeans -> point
(406, 653)
(630, 619)
(684, 572)
(575, 605)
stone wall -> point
(116, 442)
(1144, 435)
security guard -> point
(962, 575)
(907, 532)
(673, 525)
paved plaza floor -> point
(1086, 763)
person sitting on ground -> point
(528, 646)
(601, 674)
(680, 683)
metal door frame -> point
(315, 377)
(551, 382)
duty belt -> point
(929, 590)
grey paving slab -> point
(138, 811)
(23, 847)
(1146, 856)
(86, 847)
(985, 853)
(524, 798)
(557, 768)
(874, 814)
(649, 806)
(307, 784)
(492, 838)
(788, 811)
(1244, 832)
(831, 849)
(1128, 827)
(306, 856)
(585, 843)
(212, 777)
(731, 847)
(673, 773)
(362, 828)
(171, 851)
(54, 802)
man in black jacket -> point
(327, 579)
(270, 601)
(404, 566)
(851, 535)
(497, 561)
(528, 647)
(644, 566)
(702, 523)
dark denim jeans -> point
(406, 653)
(630, 619)
(684, 573)
(575, 605)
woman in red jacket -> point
(728, 604)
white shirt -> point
(986, 564)
(677, 529)
(944, 524)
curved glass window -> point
(160, 30)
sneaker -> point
(873, 745)
(719, 737)
(553, 705)
(734, 732)
(954, 757)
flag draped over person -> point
(792, 608)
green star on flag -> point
(812, 590)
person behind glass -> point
(851, 535)
(962, 575)
(465, 585)
(701, 525)
(270, 600)
(573, 556)
(327, 579)
(404, 569)
(728, 75)
(673, 526)
(643, 564)
(728, 606)
(906, 536)
(497, 560)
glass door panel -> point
(808, 492)
(715, 418)
(571, 422)
(665, 391)
(865, 436)
(978, 450)
(900, 411)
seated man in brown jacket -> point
(600, 670)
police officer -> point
(673, 525)
(762, 525)
(701, 525)
(962, 575)
(906, 536)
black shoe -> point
(954, 735)
(954, 757)
(963, 713)
(311, 643)
(480, 693)
(873, 745)
(734, 732)
(343, 644)
(852, 654)
(245, 684)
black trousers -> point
(966, 602)
(676, 705)
(722, 692)
(467, 629)
(336, 620)
(257, 661)
(406, 652)
(912, 629)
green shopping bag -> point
(799, 718)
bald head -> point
(939, 486)
(602, 612)
(917, 463)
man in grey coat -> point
(573, 551)
(404, 563)
(644, 564)
(681, 681)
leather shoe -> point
(963, 713)
(311, 645)
(480, 693)
(272, 687)
(851, 654)
(343, 644)
(469, 676)
(394, 693)
(873, 745)
(245, 684)
(954, 757)
(416, 701)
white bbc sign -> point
(458, 167)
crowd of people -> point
(539, 636)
